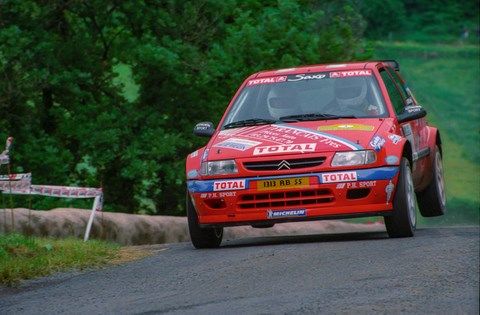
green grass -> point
(23, 257)
(445, 80)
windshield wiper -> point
(314, 116)
(249, 122)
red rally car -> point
(316, 142)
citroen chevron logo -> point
(283, 164)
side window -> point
(404, 90)
(395, 96)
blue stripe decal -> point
(381, 173)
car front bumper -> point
(241, 201)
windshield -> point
(309, 96)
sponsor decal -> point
(229, 185)
(391, 160)
(218, 194)
(194, 154)
(202, 126)
(407, 129)
(350, 73)
(366, 184)
(356, 127)
(389, 190)
(282, 134)
(339, 177)
(371, 183)
(377, 143)
(237, 144)
(273, 149)
(273, 214)
(321, 137)
(312, 76)
(379, 173)
(267, 80)
(395, 138)
(192, 174)
(231, 132)
(413, 109)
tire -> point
(403, 221)
(432, 201)
(201, 237)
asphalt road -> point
(435, 272)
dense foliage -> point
(421, 20)
(106, 93)
(73, 122)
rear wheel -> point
(403, 221)
(432, 200)
(201, 237)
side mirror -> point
(411, 113)
(204, 129)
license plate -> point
(284, 183)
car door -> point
(415, 130)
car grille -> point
(277, 164)
(285, 199)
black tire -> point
(202, 237)
(403, 221)
(432, 201)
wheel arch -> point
(407, 152)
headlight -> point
(219, 167)
(354, 158)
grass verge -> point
(23, 257)
(445, 79)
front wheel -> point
(201, 237)
(432, 200)
(403, 221)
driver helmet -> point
(282, 101)
(350, 92)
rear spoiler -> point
(391, 63)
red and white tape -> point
(15, 177)
(21, 184)
(15, 182)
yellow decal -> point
(356, 127)
(284, 183)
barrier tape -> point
(21, 184)
(13, 177)
(59, 191)
(14, 182)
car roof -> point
(326, 67)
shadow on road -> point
(311, 238)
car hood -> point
(293, 138)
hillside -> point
(445, 80)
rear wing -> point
(391, 63)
